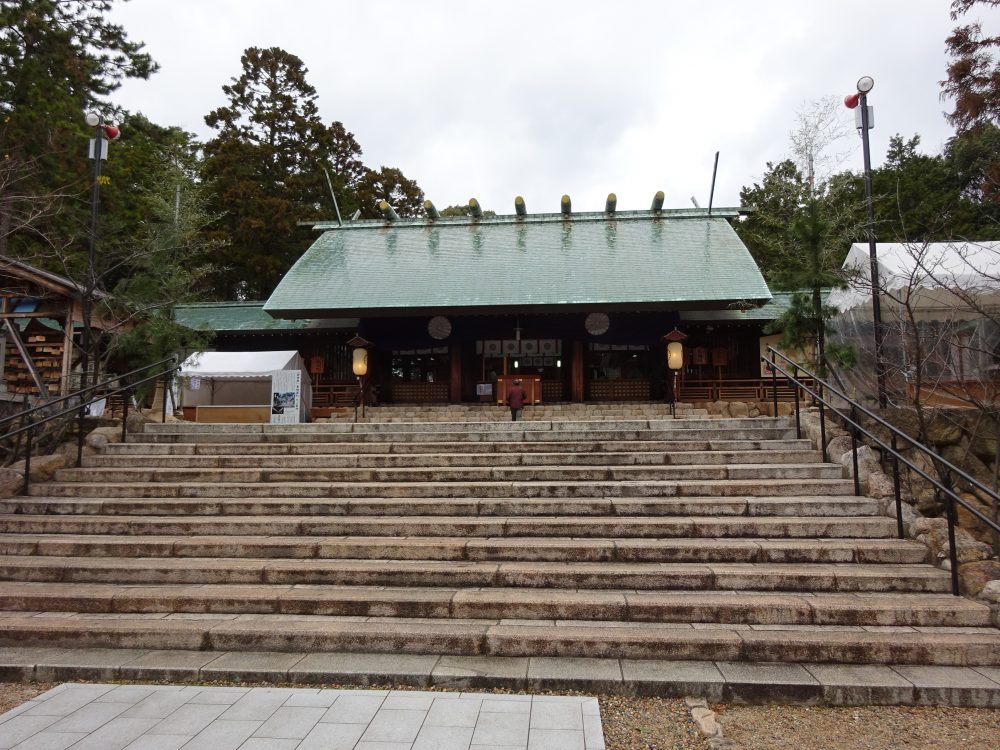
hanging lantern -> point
(675, 349)
(675, 355)
(360, 362)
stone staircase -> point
(490, 412)
(651, 554)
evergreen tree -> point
(818, 238)
(390, 185)
(974, 71)
(265, 166)
(58, 58)
(773, 204)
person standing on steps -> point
(516, 398)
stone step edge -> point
(635, 446)
(766, 610)
(722, 682)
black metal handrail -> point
(78, 394)
(80, 409)
(942, 488)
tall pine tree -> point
(58, 58)
(264, 170)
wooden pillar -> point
(67, 361)
(455, 379)
(576, 373)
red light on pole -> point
(851, 100)
(111, 132)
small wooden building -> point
(42, 314)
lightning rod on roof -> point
(711, 194)
(329, 184)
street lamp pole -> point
(102, 133)
(91, 282)
(865, 84)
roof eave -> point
(555, 309)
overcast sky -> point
(493, 100)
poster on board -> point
(286, 396)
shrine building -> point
(578, 304)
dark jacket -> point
(516, 397)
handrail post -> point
(126, 397)
(166, 391)
(774, 385)
(79, 435)
(27, 459)
(952, 547)
(822, 424)
(795, 391)
(896, 489)
(854, 451)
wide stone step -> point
(429, 460)
(134, 448)
(457, 474)
(521, 436)
(525, 549)
(684, 425)
(844, 577)
(720, 607)
(644, 527)
(841, 684)
(756, 487)
(838, 505)
(285, 633)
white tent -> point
(927, 270)
(252, 381)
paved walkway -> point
(157, 717)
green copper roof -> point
(244, 317)
(634, 260)
(778, 306)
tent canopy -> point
(970, 266)
(237, 364)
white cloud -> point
(497, 99)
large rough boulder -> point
(838, 447)
(970, 521)
(974, 576)
(721, 408)
(99, 437)
(43, 467)
(941, 428)
(11, 482)
(967, 461)
(739, 409)
(137, 421)
(933, 532)
(868, 464)
(881, 486)
(991, 592)
(909, 512)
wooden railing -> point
(326, 395)
(750, 389)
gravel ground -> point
(863, 728)
(13, 694)
(649, 724)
